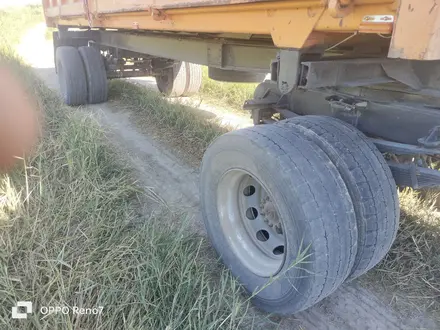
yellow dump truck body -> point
(407, 27)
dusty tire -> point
(369, 182)
(312, 202)
(71, 76)
(173, 82)
(193, 79)
(96, 74)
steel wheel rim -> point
(250, 222)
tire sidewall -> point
(94, 65)
(173, 81)
(245, 155)
(72, 78)
(61, 77)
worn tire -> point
(193, 79)
(368, 179)
(173, 82)
(71, 76)
(312, 201)
(96, 74)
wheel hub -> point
(251, 222)
(270, 214)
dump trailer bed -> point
(389, 27)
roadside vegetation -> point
(180, 125)
(72, 234)
(410, 273)
(49, 33)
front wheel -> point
(279, 214)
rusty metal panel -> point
(416, 31)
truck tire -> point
(173, 82)
(369, 182)
(71, 76)
(193, 79)
(270, 199)
(96, 74)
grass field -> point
(72, 234)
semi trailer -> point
(307, 198)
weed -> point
(225, 93)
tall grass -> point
(225, 93)
(182, 125)
(72, 234)
(410, 273)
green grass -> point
(72, 234)
(49, 33)
(224, 93)
(15, 22)
(175, 121)
(410, 273)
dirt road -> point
(176, 185)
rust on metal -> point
(158, 15)
(416, 31)
(340, 8)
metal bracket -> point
(411, 175)
(403, 149)
(288, 70)
(258, 104)
(339, 103)
(433, 138)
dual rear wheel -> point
(294, 209)
(82, 75)
(181, 79)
